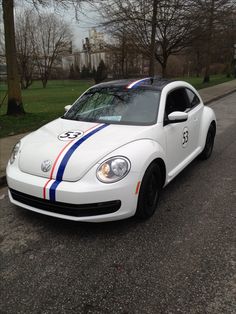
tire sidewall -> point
(207, 151)
(143, 210)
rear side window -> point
(193, 98)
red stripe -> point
(55, 162)
(44, 189)
(92, 127)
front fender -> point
(208, 116)
(141, 154)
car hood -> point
(70, 159)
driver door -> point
(177, 135)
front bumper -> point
(85, 200)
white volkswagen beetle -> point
(113, 150)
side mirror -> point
(177, 117)
(67, 107)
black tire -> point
(149, 192)
(207, 151)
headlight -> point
(113, 169)
(14, 152)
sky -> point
(88, 18)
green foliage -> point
(77, 72)
(101, 73)
(197, 82)
(74, 73)
(85, 72)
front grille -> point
(75, 210)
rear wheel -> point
(149, 192)
(207, 151)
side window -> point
(177, 100)
(193, 99)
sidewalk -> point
(213, 93)
(208, 95)
(6, 145)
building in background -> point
(95, 49)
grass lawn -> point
(45, 104)
(41, 104)
(214, 80)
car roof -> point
(154, 83)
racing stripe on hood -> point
(65, 159)
(55, 162)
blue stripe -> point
(52, 191)
(61, 169)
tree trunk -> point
(15, 106)
(234, 71)
(163, 68)
(44, 82)
(164, 64)
(206, 78)
(198, 63)
(153, 39)
(123, 55)
(229, 69)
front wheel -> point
(207, 151)
(149, 192)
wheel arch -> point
(213, 123)
(160, 162)
(208, 119)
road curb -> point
(219, 97)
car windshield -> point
(117, 106)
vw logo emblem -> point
(46, 165)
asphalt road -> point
(182, 260)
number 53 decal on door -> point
(185, 137)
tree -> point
(72, 72)
(123, 52)
(15, 106)
(51, 38)
(77, 72)
(85, 73)
(210, 13)
(158, 28)
(229, 42)
(175, 25)
(24, 47)
(101, 73)
(153, 38)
